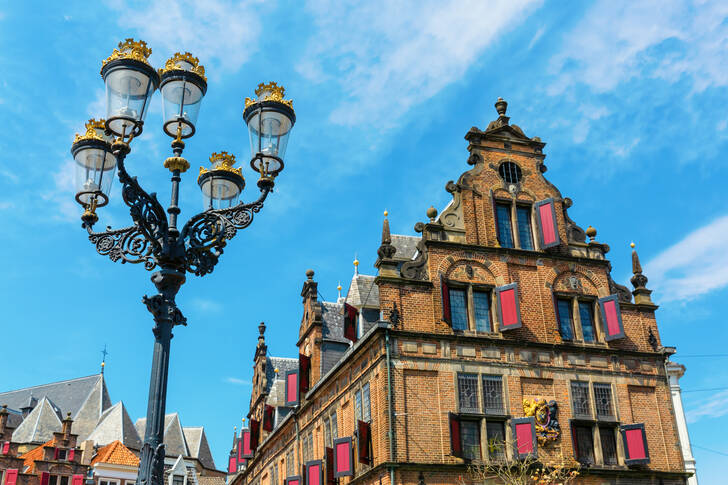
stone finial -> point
(386, 250)
(431, 213)
(66, 430)
(501, 106)
(638, 280)
(261, 328)
(309, 274)
(591, 232)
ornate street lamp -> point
(154, 239)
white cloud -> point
(536, 37)
(713, 407)
(205, 305)
(223, 34)
(388, 56)
(620, 40)
(239, 382)
(694, 266)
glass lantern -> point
(130, 83)
(95, 165)
(270, 119)
(222, 184)
(183, 86)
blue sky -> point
(630, 97)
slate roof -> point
(40, 424)
(333, 321)
(174, 438)
(406, 247)
(363, 292)
(69, 395)
(36, 453)
(198, 445)
(115, 453)
(210, 480)
(115, 425)
(283, 364)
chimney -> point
(87, 452)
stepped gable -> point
(115, 453)
(116, 425)
(36, 453)
(69, 396)
(198, 445)
(40, 424)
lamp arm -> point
(147, 213)
(205, 235)
(127, 245)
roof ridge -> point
(49, 383)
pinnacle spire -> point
(386, 250)
(638, 280)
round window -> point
(510, 172)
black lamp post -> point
(154, 239)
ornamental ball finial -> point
(356, 262)
(501, 106)
(432, 213)
(591, 232)
(339, 287)
(386, 212)
(275, 370)
(631, 245)
(309, 274)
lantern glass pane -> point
(181, 99)
(128, 92)
(219, 193)
(269, 132)
(95, 169)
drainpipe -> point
(391, 414)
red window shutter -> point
(77, 480)
(55, 453)
(635, 444)
(365, 442)
(574, 441)
(6, 448)
(611, 317)
(44, 477)
(350, 314)
(456, 445)
(71, 454)
(292, 388)
(11, 477)
(314, 473)
(304, 370)
(446, 313)
(247, 448)
(343, 457)
(548, 229)
(268, 417)
(524, 431)
(509, 308)
(294, 480)
(330, 478)
(254, 434)
(232, 465)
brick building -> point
(500, 323)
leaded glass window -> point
(468, 393)
(496, 436)
(493, 394)
(458, 309)
(603, 400)
(584, 444)
(609, 445)
(505, 232)
(565, 320)
(481, 302)
(523, 215)
(334, 427)
(470, 436)
(327, 432)
(587, 321)
(580, 398)
(357, 405)
(366, 403)
(290, 465)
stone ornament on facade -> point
(545, 414)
